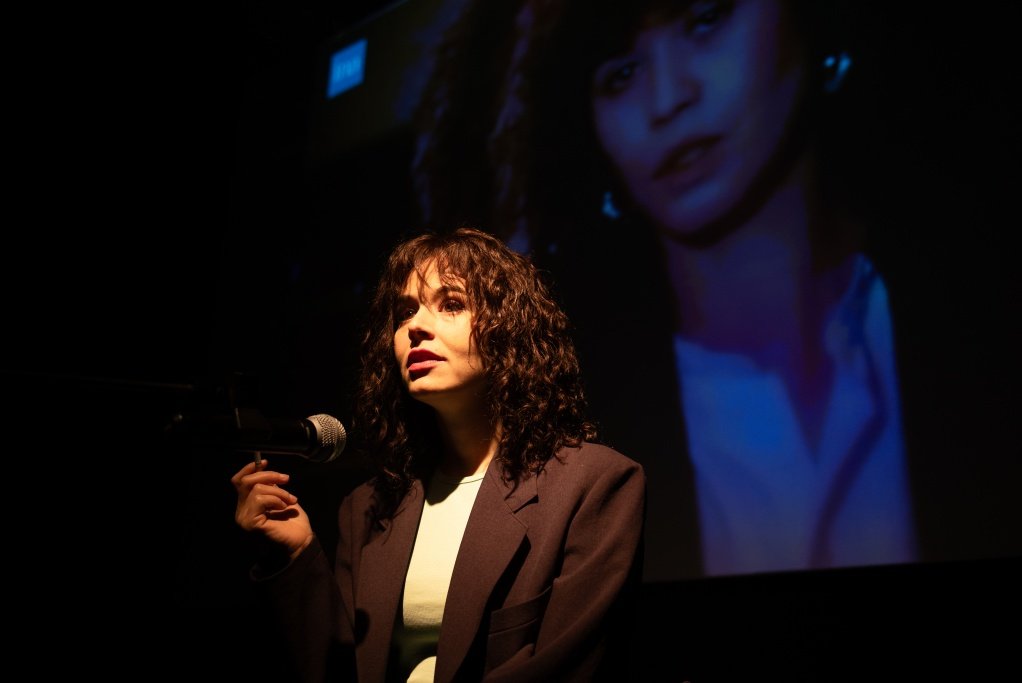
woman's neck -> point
(762, 286)
(765, 293)
(470, 442)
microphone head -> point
(330, 436)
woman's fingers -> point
(272, 497)
(253, 474)
(260, 496)
(248, 469)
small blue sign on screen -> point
(347, 68)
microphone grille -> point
(331, 435)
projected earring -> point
(835, 69)
(609, 208)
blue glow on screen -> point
(347, 68)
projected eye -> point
(703, 17)
(615, 76)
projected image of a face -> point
(696, 174)
(697, 106)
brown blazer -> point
(543, 586)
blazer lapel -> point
(381, 583)
(492, 537)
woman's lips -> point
(422, 365)
(421, 360)
(687, 162)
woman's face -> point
(433, 343)
(692, 113)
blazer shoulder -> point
(594, 456)
(602, 453)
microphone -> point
(319, 438)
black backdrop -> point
(163, 201)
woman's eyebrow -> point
(446, 289)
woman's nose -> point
(420, 325)
(673, 86)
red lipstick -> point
(420, 360)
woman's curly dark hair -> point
(533, 383)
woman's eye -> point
(703, 17)
(614, 76)
(452, 306)
(404, 313)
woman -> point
(667, 160)
(496, 541)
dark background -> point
(148, 149)
(161, 215)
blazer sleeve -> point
(584, 631)
(307, 602)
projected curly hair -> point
(533, 384)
